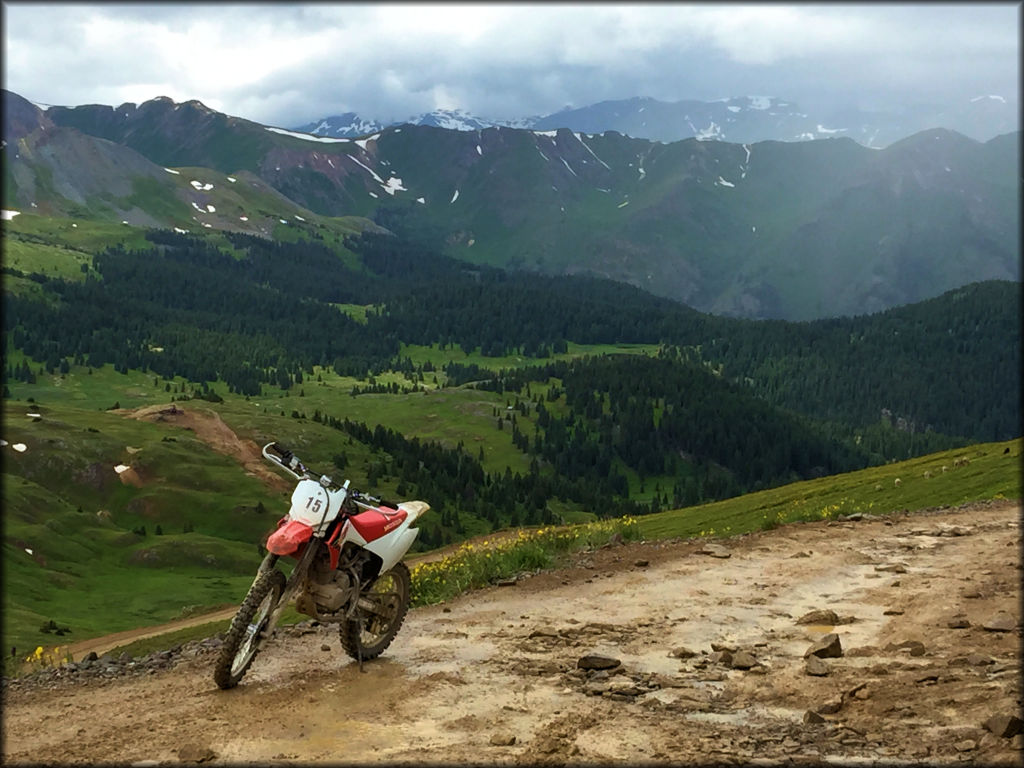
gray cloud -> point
(288, 63)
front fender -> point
(287, 539)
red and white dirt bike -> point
(348, 547)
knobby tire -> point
(244, 636)
(391, 592)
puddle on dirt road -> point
(747, 716)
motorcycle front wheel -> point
(382, 610)
(245, 635)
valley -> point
(504, 399)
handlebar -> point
(291, 464)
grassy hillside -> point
(74, 547)
(75, 552)
(992, 471)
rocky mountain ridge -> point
(792, 230)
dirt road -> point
(927, 616)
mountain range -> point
(745, 119)
(768, 229)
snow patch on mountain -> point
(348, 124)
(993, 97)
(305, 136)
(580, 137)
(394, 184)
(711, 133)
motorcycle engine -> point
(326, 589)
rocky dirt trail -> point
(660, 652)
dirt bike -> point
(348, 548)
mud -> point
(493, 677)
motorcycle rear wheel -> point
(368, 635)
(245, 635)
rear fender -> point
(391, 547)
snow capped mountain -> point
(342, 126)
(741, 119)
(350, 124)
(577, 201)
(460, 120)
(452, 119)
(738, 120)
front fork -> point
(298, 574)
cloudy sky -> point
(287, 64)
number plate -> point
(311, 504)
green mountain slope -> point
(56, 171)
(798, 231)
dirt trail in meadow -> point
(211, 429)
(706, 655)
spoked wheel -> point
(381, 612)
(246, 633)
